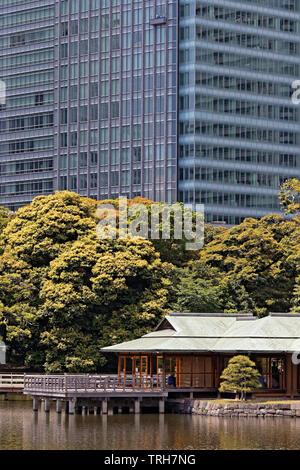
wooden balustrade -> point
(91, 383)
(11, 381)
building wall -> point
(110, 79)
(93, 104)
(238, 128)
(27, 121)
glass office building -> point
(27, 120)
(238, 128)
(91, 99)
(170, 100)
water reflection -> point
(20, 428)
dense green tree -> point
(65, 293)
(295, 259)
(290, 201)
(5, 217)
(262, 256)
(172, 250)
(290, 196)
(202, 288)
(240, 376)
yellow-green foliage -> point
(65, 293)
(240, 375)
(262, 256)
(290, 196)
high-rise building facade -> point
(184, 100)
(91, 99)
(239, 132)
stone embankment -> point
(230, 410)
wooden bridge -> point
(11, 383)
(65, 386)
(103, 391)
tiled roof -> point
(219, 333)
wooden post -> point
(161, 406)
(131, 407)
(104, 407)
(46, 405)
(58, 406)
(164, 373)
(218, 371)
(294, 376)
(289, 375)
(137, 406)
(67, 407)
(72, 406)
(35, 404)
(110, 410)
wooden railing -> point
(12, 382)
(91, 383)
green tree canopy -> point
(290, 196)
(202, 288)
(5, 217)
(240, 376)
(261, 256)
(64, 293)
(171, 249)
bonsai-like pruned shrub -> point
(241, 376)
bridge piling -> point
(72, 406)
(46, 405)
(161, 406)
(110, 410)
(137, 406)
(35, 404)
(104, 407)
(58, 406)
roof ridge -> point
(198, 314)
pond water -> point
(20, 428)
